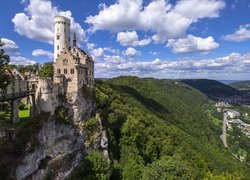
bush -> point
(21, 106)
(91, 128)
(94, 166)
(62, 114)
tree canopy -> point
(4, 60)
(47, 70)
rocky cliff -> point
(61, 142)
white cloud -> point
(36, 22)
(192, 44)
(9, 45)
(131, 39)
(19, 60)
(233, 66)
(113, 58)
(242, 34)
(111, 50)
(91, 46)
(98, 53)
(41, 52)
(131, 52)
(159, 17)
(154, 53)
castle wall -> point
(46, 96)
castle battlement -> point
(62, 19)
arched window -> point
(58, 37)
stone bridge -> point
(13, 98)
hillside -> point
(211, 88)
(161, 129)
(241, 85)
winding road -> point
(224, 131)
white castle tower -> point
(61, 34)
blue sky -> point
(146, 38)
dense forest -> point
(159, 129)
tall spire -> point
(74, 40)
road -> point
(224, 131)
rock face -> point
(60, 146)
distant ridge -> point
(241, 85)
(211, 88)
(227, 82)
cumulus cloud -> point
(131, 52)
(91, 46)
(233, 66)
(9, 45)
(131, 39)
(98, 53)
(20, 60)
(160, 17)
(192, 44)
(43, 53)
(114, 58)
(242, 34)
(36, 22)
(111, 50)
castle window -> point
(65, 71)
(57, 47)
(57, 37)
(72, 71)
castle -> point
(73, 69)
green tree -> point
(95, 166)
(223, 176)
(4, 60)
(169, 168)
(47, 70)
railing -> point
(16, 95)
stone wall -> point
(47, 97)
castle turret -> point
(61, 34)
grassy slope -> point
(149, 120)
(241, 85)
(211, 88)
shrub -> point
(62, 114)
(21, 106)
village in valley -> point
(235, 127)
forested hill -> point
(162, 129)
(241, 85)
(212, 88)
